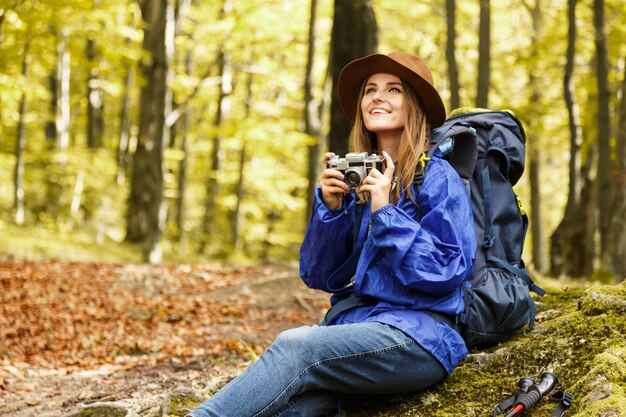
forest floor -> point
(104, 339)
(73, 335)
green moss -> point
(603, 299)
(603, 276)
(102, 411)
(601, 390)
(181, 402)
(612, 406)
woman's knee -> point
(295, 340)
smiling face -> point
(383, 104)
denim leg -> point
(360, 358)
(310, 404)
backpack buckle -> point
(567, 399)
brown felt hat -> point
(401, 64)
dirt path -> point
(172, 327)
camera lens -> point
(353, 177)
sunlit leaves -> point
(266, 44)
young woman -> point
(402, 251)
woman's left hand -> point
(378, 184)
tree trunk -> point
(484, 55)
(238, 217)
(534, 166)
(312, 117)
(588, 197)
(272, 218)
(51, 127)
(145, 203)
(604, 131)
(183, 163)
(124, 158)
(181, 10)
(564, 248)
(575, 130)
(223, 110)
(57, 127)
(354, 34)
(63, 96)
(617, 241)
(95, 99)
(20, 143)
(453, 69)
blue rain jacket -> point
(406, 259)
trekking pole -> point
(534, 394)
(523, 384)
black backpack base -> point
(503, 298)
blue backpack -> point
(487, 150)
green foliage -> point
(267, 41)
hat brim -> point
(354, 74)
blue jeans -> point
(307, 370)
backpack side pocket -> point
(496, 309)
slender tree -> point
(20, 143)
(238, 218)
(124, 159)
(95, 98)
(570, 252)
(573, 113)
(312, 116)
(57, 126)
(604, 130)
(181, 10)
(534, 157)
(453, 69)
(63, 95)
(145, 204)
(223, 110)
(185, 128)
(354, 34)
(617, 238)
(484, 55)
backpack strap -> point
(489, 239)
(457, 143)
(347, 303)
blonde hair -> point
(415, 140)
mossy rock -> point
(102, 411)
(604, 299)
(580, 337)
(181, 401)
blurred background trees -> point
(192, 129)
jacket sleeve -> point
(432, 253)
(327, 246)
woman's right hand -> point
(332, 184)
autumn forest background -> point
(158, 158)
(187, 130)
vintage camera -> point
(355, 166)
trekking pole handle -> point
(547, 383)
(525, 383)
(534, 394)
